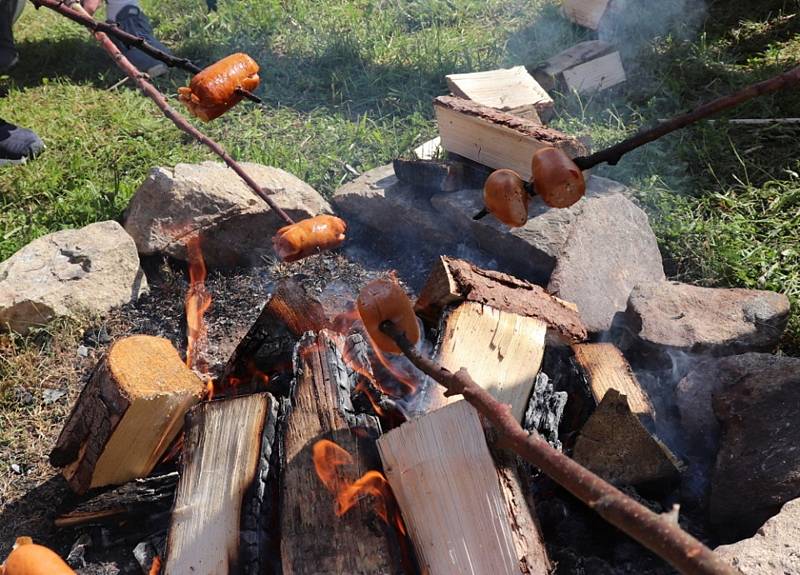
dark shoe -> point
(17, 144)
(133, 21)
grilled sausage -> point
(27, 558)
(556, 178)
(505, 197)
(381, 300)
(308, 237)
(213, 91)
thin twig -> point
(85, 19)
(657, 533)
(613, 154)
(152, 92)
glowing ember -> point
(328, 458)
(155, 566)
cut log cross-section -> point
(495, 326)
(494, 138)
(586, 67)
(587, 13)
(313, 539)
(615, 442)
(511, 90)
(446, 484)
(550, 74)
(127, 414)
(221, 499)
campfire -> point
(398, 433)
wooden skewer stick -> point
(152, 92)
(136, 41)
(657, 533)
(613, 154)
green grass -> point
(350, 82)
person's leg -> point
(17, 144)
(8, 52)
(129, 17)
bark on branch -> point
(613, 154)
(655, 532)
(78, 14)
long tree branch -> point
(613, 153)
(85, 19)
(655, 532)
(152, 92)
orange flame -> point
(155, 566)
(328, 458)
(198, 300)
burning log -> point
(494, 138)
(127, 414)
(512, 90)
(314, 539)
(658, 533)
(221, 505)
(269, 343)
(444, 478)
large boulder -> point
(758, 463)
(710, 320)
(400, 212)
(69, 273)
(609, 250)
(236, 226)
(531, 250)
(773, 550)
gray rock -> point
(533, 247)
(69, 273)
(610, 249)
(757, 468)
(709, 320)
(773, 550)
(397, 211)
(236, 226)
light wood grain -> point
(443, 476)
(606, 368)
(598, 74)
(501, 350)
(551, 73)
(221, 457)
(127, 414)
(508, 89)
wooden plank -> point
(512, 90)
(452, 281)
(127, 414)
(494, 138)
(599, 74)
(501, 350)
(314, 540)
(551, 73)
(606, 368)
(226, 454)
(442, 474)
(587, 13)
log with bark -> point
(494, 138)
(127, 414)
(314, 539)
(268, 346)
(220, 521)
